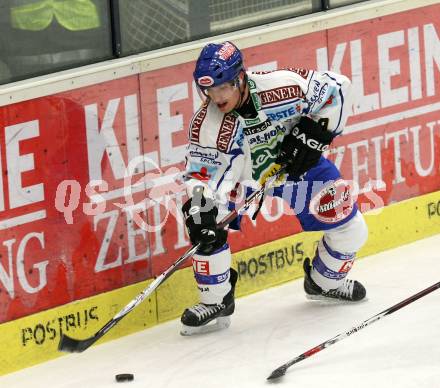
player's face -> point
(226, 96)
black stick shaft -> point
(281, 371)
(71, 345)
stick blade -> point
(277, 373)
(70, 345)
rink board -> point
(33, 339)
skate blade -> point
(329, 300)
(220, 323)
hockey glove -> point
(200, 218)
(302, 149)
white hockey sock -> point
(212, 275)
(336, 252)
(330, 267)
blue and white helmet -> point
(217, 64)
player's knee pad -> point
(212, 274)
(336, 252)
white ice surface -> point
(401, 350)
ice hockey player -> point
(250, 125)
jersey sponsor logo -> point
(284, 114)
(255, 97)
(205, 156)
(205, 81)
(283, 93)
(196, 124)
(240, 139)
(251, 122)
(257, 128)
(224, 138)
(264, 137)
(332, 203)
(330, 100)
(300, 71)
(319, 92)
(261, 158)
(226, 51)
(201, 175)
(201, 267)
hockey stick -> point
(71, 345)
(281, 371)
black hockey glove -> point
(302, 149)
(200, 218)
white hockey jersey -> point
(226, 149)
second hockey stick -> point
(281, 371)
(72, 345)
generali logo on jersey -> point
(196, 124)
(300, 71)
(225, 134)
(280, 94)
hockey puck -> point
(123, 377)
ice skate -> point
(205, 318)
(349, 290)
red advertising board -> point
(90, 176)
(53, 149)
